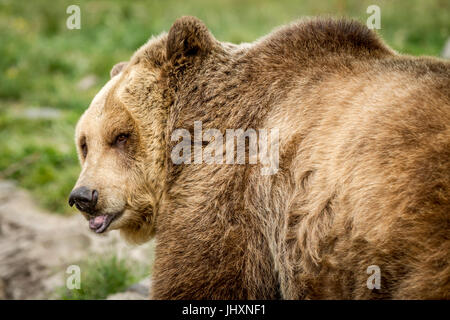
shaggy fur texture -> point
(364, 175)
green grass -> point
(101, 277)
(42, 62)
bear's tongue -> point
(99, 223)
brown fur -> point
(364, 174)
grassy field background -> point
(42, 64)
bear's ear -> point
(188, 37)
(117, 68)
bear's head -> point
(121, 137)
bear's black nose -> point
(84, 199)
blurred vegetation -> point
(101, 277)
(42, 62)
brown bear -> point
(358, 203)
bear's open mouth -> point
(100, 223)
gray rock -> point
(127, 295)
(138, 291)
(142, 287)
(2, 290)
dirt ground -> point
(36, 247)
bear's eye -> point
(121, 139)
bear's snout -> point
(84, 199)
